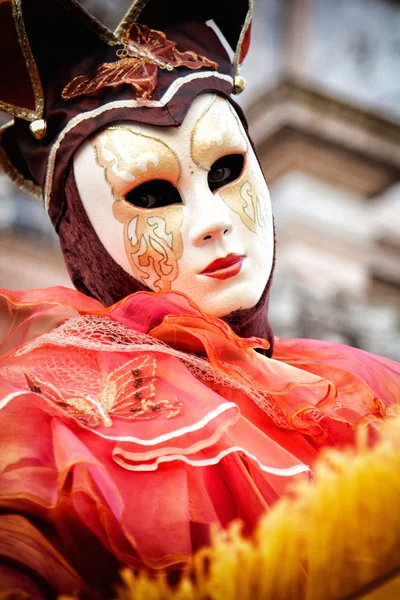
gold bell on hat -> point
(239, 84)
(38, 128)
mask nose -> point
(212, 223)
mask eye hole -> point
(153, 194)
(225, 170)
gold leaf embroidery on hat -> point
(144, 52)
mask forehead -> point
(216, 132)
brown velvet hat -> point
(65, 75)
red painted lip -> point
(223, 268)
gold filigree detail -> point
(128, 393)
(18, 111)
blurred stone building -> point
(323, 104)
(324, 111)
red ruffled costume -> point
(127, 431)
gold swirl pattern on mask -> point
(153, 243)
(216, 133)
(248, 197)
(152, 238)
(130, 159)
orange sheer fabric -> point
(129, 430)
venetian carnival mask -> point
(182, 208)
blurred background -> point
(323, 104)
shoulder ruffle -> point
(155, 417)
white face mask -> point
(182, 208)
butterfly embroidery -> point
(145, 51)
(127, 393)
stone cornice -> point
(295, 104)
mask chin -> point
(95, 273)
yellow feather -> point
(333, 538)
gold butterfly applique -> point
(128, 392)
(145, 51)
